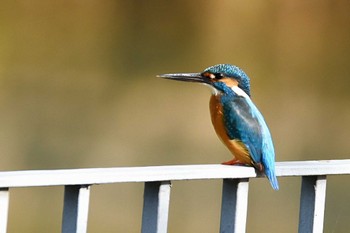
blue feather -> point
(244, 122)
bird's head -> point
(218, 76)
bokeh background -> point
(78, 89)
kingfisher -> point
(236, 120)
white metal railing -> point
(157, 181)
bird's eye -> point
(219, 75)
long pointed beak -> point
(187, 77)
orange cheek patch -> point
(229, 82)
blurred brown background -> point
(78, 89)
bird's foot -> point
(259, 167)
(233, 162)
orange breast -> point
(237, 148)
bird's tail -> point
(272, 178)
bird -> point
(236, 120)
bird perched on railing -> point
(236, 120)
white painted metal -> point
(312, 204)
(313, 168)
(234, 205)
(157, 191)
(4, 206)
(164, 173)
(76, 208)
(156, 207)
(122, 174)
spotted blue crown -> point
(232, 71)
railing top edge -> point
(315, 167)
(161, 173)
(121, 174)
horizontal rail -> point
(157, 190)
(90, 176)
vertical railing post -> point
(75, 210)
(234, 205)
(312, 204)
(4, 206)
(156, 207)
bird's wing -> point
(242, 122)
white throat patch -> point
(213, 90)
